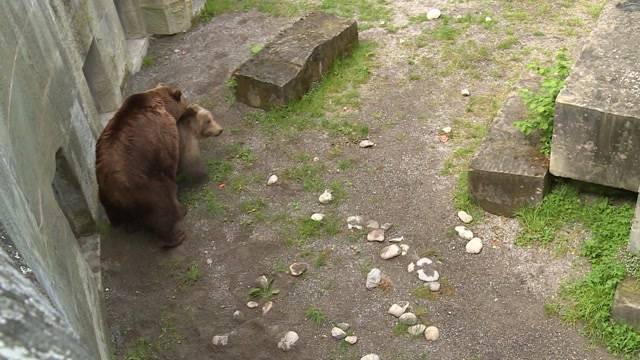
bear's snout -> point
(216, 132)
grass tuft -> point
(315, 315)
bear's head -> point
(174, 102)
(202, 122)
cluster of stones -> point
(339, 332)
(399, 310)
(426, 272)
(474, 244)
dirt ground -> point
(169, 304)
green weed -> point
(264, 293)
(368, 12)
(256, 48)
(218, 170)
(191, 275)
(142, 350)
(148, 60)
(315, 315)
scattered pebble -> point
(465, 92)
(411, 267)
(386, 226)
(373, 278)
(423, 261)
(372, 224)
(396, 239)
(370, 357)
(252, 304)
(432, 333)
(209, 261)
(474, 246)
(433, 14)
(338, 333)
(262, 282)
(366, 144)
(434, 286)
(354, 222)
(391, 251)
(298, 268)
(220, 340)
(288, 340)
(465, 217)
(488, 19)
(317, 217)
(237, 314)
(325, 197)
(464, 233)
(404, 248)
(433, 276)
(272, 179)
(177, 51)
(376, 235)
(344, 326)
(416, 330)
(266, 307)
(398, 309)
(408, 319)
(446, 129)
(351, 339)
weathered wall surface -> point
(62, 63)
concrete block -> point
(626, 303)
(597, 126)
(166, 17)
(136, 51)
(634, 237)
(508, 172)
(288, 66)
(131, 17)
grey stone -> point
(634, 240)
(408, 319)
(432, 333)
(416, 330)
(428, 275)
(298, 268)
(370, 357)
(287, 67)
(373, 278)
(220, 340)
(376, 235)
(351, 339)
(391, 251)
(474, 246)
(165, 17)
(626, 303)
(288, 341)
(398, 309)
(597, 125)
(508, 172)
(338, 333)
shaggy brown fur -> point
(196, 123)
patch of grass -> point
(307, 173)
(508, 43)
(541, 103)
(213, 204)
(466, 56)
(422, 292)
(354, 132)
(287, 8)
(264, 293)
(588, 300)
(142, 350)
(368, 12)
(169, 335)
(445, 31)
(256, 48)
(218, 170)
(315, 315)
(279, 266)
(241, 152)
(254, 208)
(462, 199)
(338, 191)
(299, 231)
(400, 329)
(148, 60)
(517, 15)
(595, 10)
(322, 257)
(191, 275)
(345, 164)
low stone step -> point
(508, 172)
(287, 67)
(626, 303)
(597, 126)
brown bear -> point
(196, 123)
(137, 162)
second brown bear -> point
(196, 123)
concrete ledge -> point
(597, 126)
(626, 303)
(288, 66)
(508, 172)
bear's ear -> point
(177, 95)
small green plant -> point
(315, 315)
(191, 275)
(265, 293)
(322, 257)
(400, 329)
(148, 60)
(219, 170)
(142, 350)
(541, 103)
(213, 204)
(256, 48)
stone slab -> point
(136, 51)
(288, 66)
(626, 303)
(508, 172)
(634, 237)
(597, 125)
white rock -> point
(262, 282)
(465, 217)
(288, 340)
(317, 217)
(266, 307)
(338, 333)
(372, 224)
(464, 233)
(209, 261)
(408, 318)
(474, 246)
(434, 276)
(298, 268)
(373, 278)
(316, 159)
(272, 179)
(404, 248)
(386, 226)
(351, 339)
(434, 286)
(416, 330)
(220, 340)
(237, 314)
(366, 143)
(398, 309)
(446, 129)
(325, 197)
(344, 326)
(432, 333)
(433, 14)
(354, 222)
(488, 19)
(376, 235)
(390, 251)
(411, 267)
(423, 261)
(396, 239)
(370, 357)
(252, 304)
(465, 92)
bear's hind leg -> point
(165, 213)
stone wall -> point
(62, 64)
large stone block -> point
(626, 303)
(508, 172)
(634, 237)
(165, 17)
(597, 125)
(288, 66)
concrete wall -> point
(62, 63)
